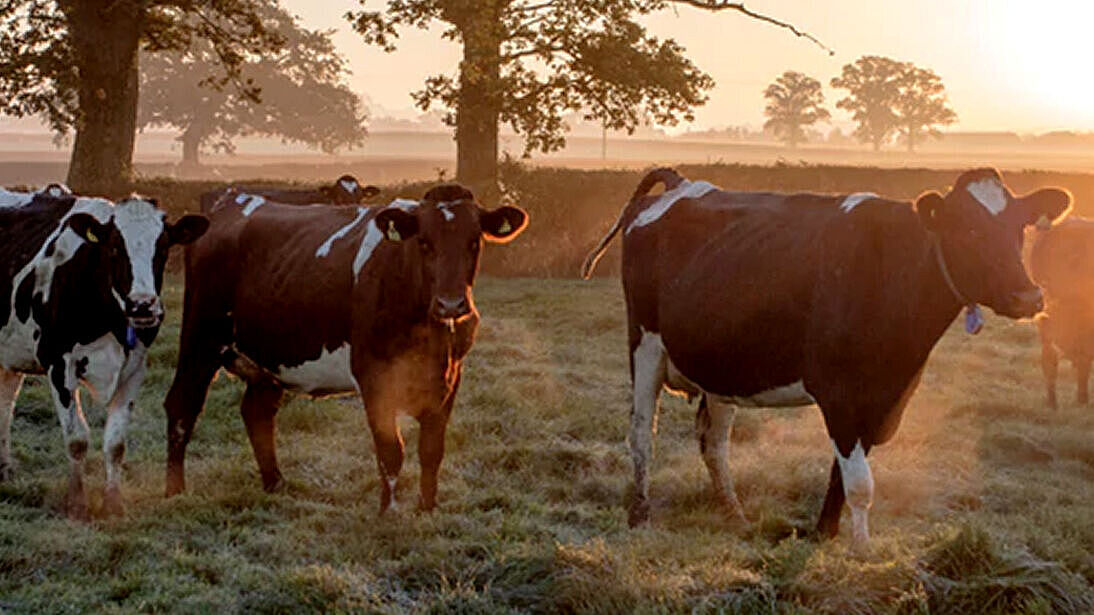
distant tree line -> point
(886, 99)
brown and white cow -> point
(1062, 264)
(763, 299)
(345, 190)
(323, 300)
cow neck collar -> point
(974, 320)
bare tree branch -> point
(718, 5)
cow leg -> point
(828, 525)
(714, 424)
(858, 487)
(389, 445)
(1082, 377)
(66, 400)
(10, 383)
(648, 365)
(183, 405)
(1050, 361)
(431, 447)
(119, 409)
(261, 402)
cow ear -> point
(396, 224)
(503, 224)
(1045, 206)
(186, 229)
(88, 228)
(929, 206)
(369, 191)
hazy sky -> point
(1007, 64)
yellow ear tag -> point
(392, 232)
(505, 227)
(91, 236)
(1043, 223)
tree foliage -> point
(74, 62)
(300, 95)
(887, 97)
(557, 57)
(794, 102)
(527, 63)
(921, 106)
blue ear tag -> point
(974, 320)
(130, 338)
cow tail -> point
(664, 175)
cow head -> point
(979, 225)
(135, 242)
(448, 228)
(346, 190)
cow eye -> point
(427, 246)
(473, 245)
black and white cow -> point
(763, 299)
(345, 190)
(80, 279)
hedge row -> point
(571, 209)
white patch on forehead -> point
(140, 224)
(853, 200)
(990, 193)
(250, 203)
(14, 199)
(348, 185)
(404, 204)
(56, 190)
(448, 214)
(686, 190)
(324, 248)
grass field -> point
(984, 501)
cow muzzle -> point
(143, 311)
(450, 308)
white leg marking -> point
(858, 486)
(10, 382)
(853, 200)
(990, 193)
(714, 433)
(391, 487)
(119, 409)
(686, 190)
(649, 376)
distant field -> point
(983, 500)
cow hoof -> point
(639, 514)
(76, 509)
(113, 506)
(276, 485)
(7, 472)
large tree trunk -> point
(104, 36)
(191, 148)
(479, 105)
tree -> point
(873, 85)
(75, 62)
(921, 105)
(794, 101)
(302, 96)
(527, 62)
